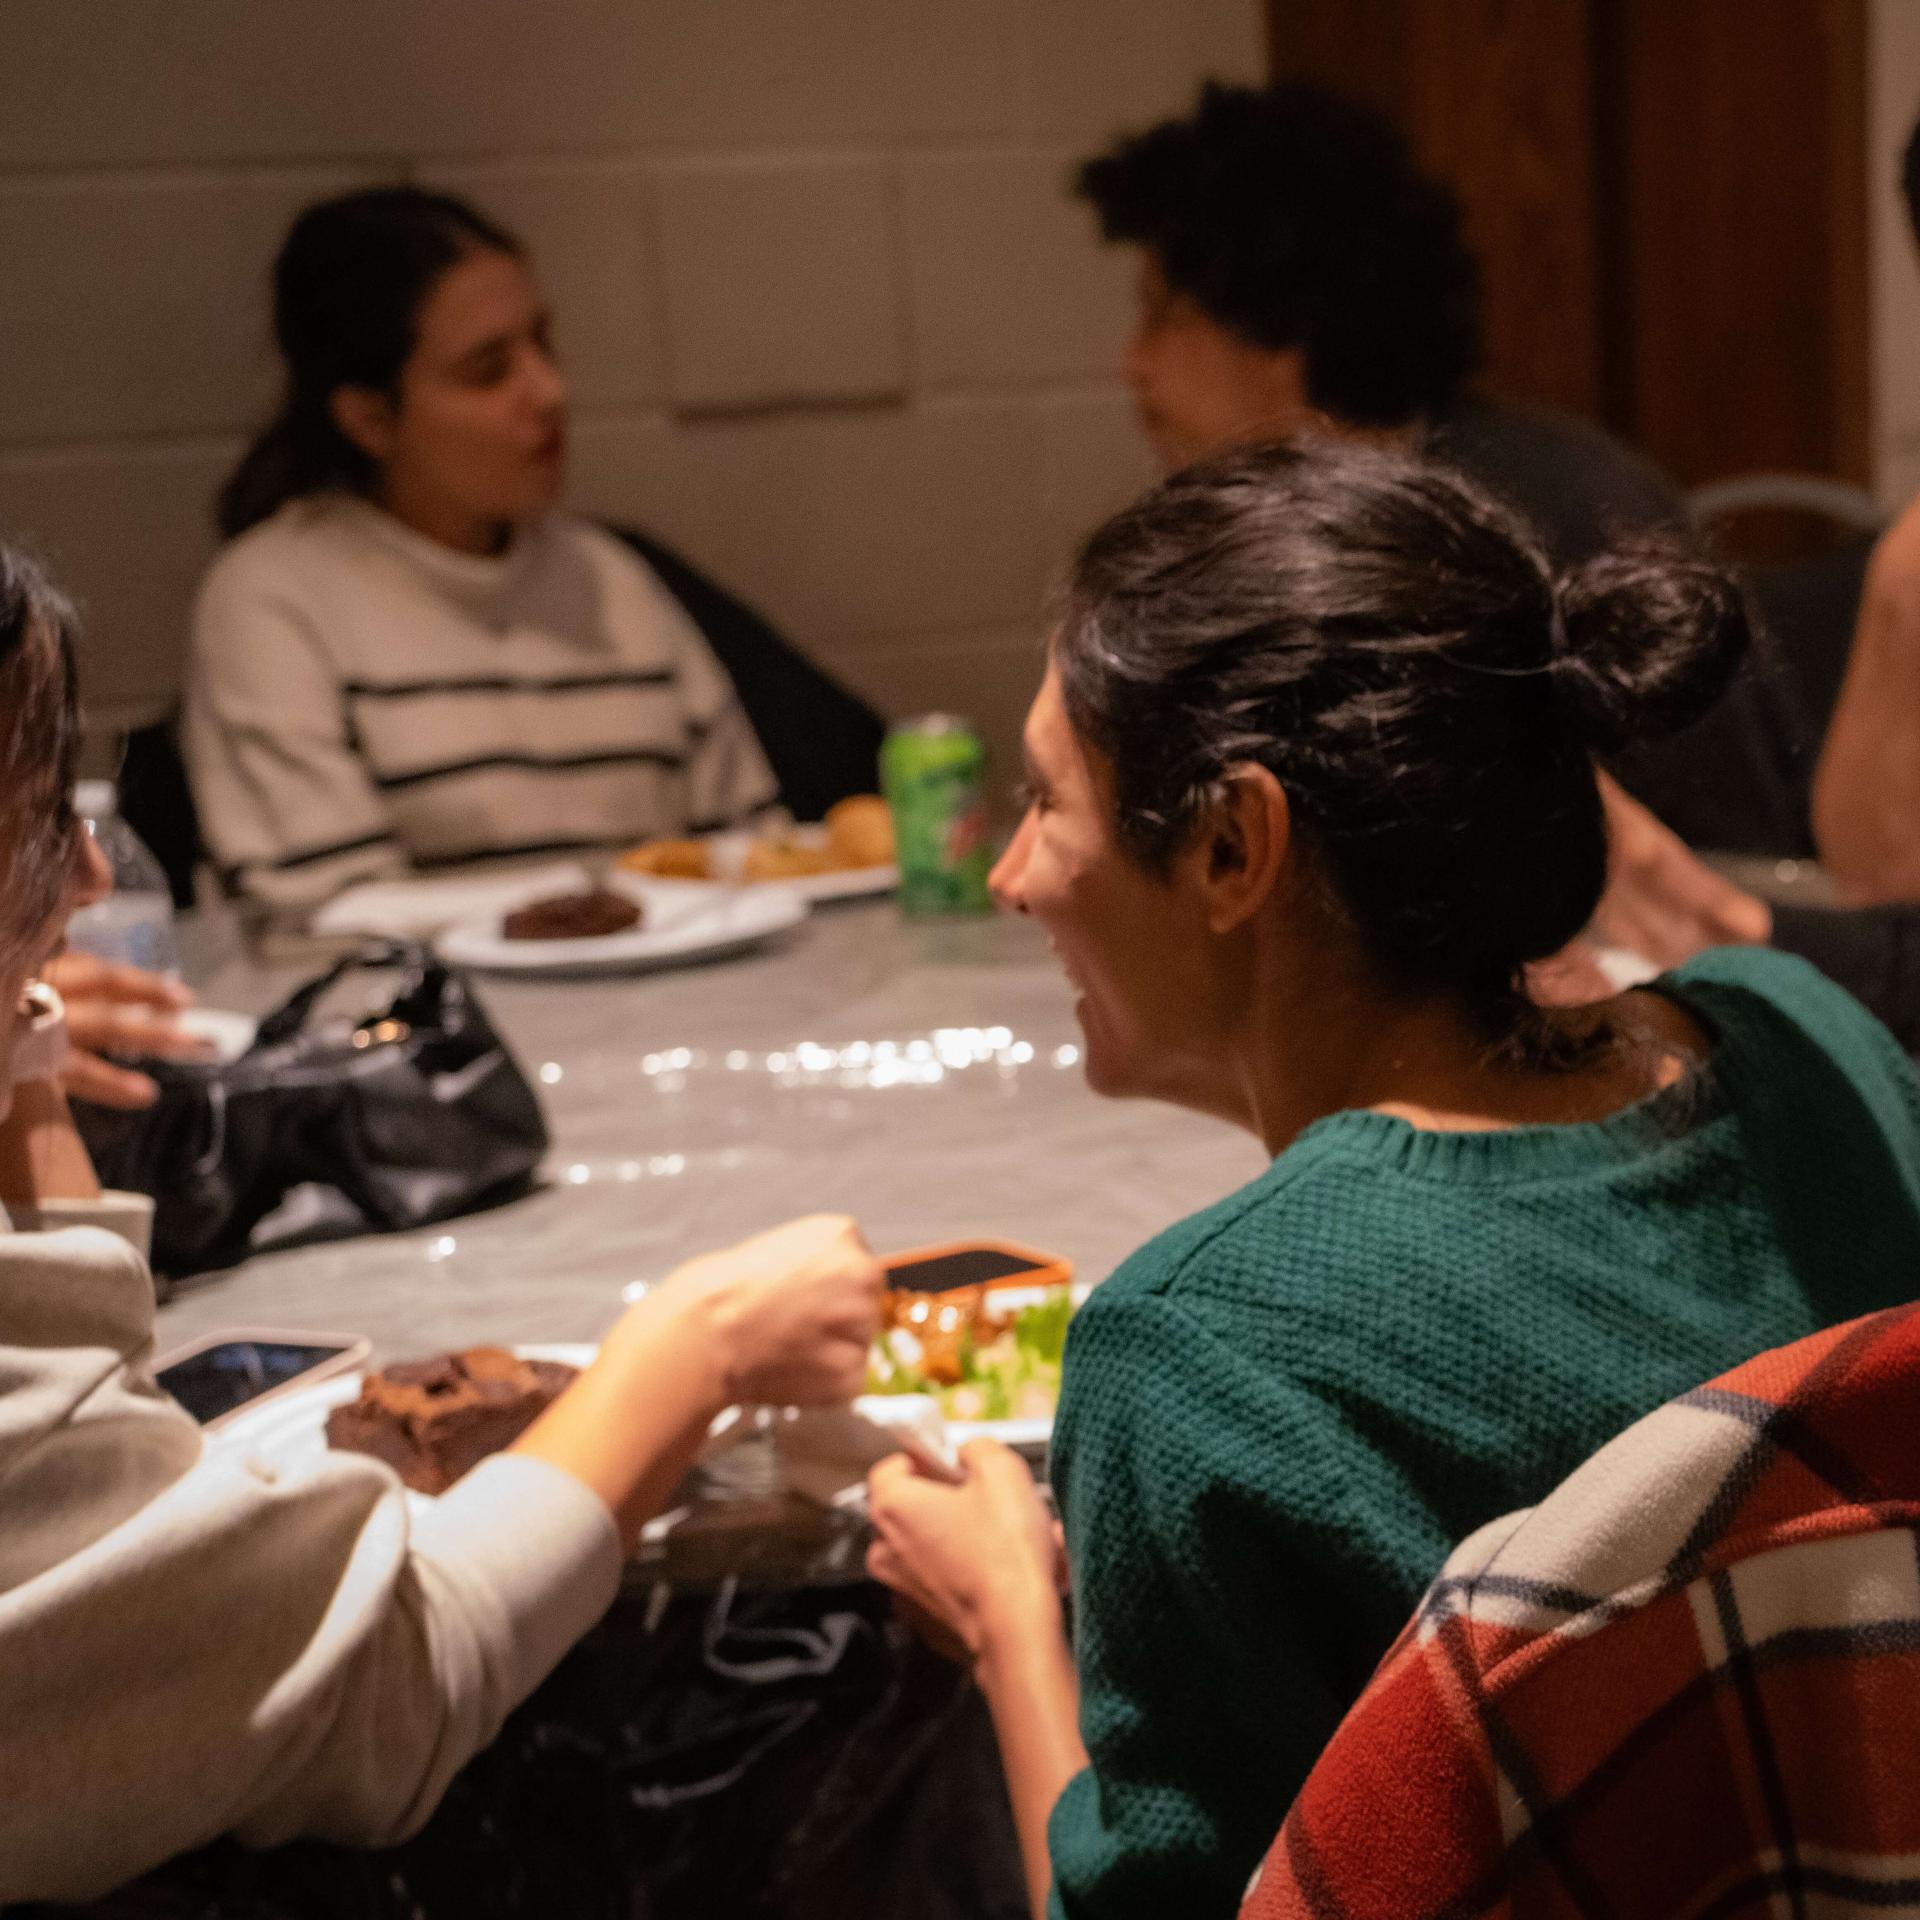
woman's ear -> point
(1243, 844)
(366, 416)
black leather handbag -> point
(327, 1128)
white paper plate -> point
(290, 1430)
(417, 907)
(824, 1453)
(684, 922)
(228, 1034)
(851, 883)
(837, 1445)
(1026, 1436)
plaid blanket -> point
(1688, 1682)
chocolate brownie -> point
(430, 1420)
(572, 916)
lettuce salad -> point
(1008, 1370)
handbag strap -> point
(292, 1014)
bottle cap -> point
(95, 799)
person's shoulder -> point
(623, 565)
(1245, 1234)
(1579, 483)
(1183, 1362)
(273, 559)
(1547, 435)
(1155, 1267)
(1744, 991)
(314, 524)
(81, 1286)
(600, 545)
(1784, 980)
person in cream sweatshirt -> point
(193, 1643)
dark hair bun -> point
(1650, 634)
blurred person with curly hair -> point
(1298, 269)
(1296, 264)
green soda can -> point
(933, 773)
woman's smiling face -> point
(1135, 946)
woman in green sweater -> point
(1312, 784)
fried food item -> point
(860, 832)
(670, 859)
(980, 1356)
(572, 916)
(942, 1323)
(784, 860)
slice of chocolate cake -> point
(573, 916)
(430, 1420)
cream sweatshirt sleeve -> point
(286, 802)
(194, 1644)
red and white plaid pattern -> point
(1688, 1682)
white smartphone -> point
(216, 1377)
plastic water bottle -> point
(133, 925)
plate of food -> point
(987, 1356)
(224, 1034)
(430, 1420)
(847, 856)
(434, 1419)
(971, 1363)
(624, 925)
(965, 1363)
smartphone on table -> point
(216, 1377)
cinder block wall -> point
(833, 325)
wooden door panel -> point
(1667, 197)
(1496, 97)
(1740, 249)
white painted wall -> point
(833, 325)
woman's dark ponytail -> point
(299, 453)
(347, 289)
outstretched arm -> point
(1866, 789)
(197, 1645)
(1662, 901)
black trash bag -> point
(776, 1756)
(320, 1130)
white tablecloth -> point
(923, 1077)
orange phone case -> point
(1048, 1270)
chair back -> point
(1687, 1682)
(822, 741)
